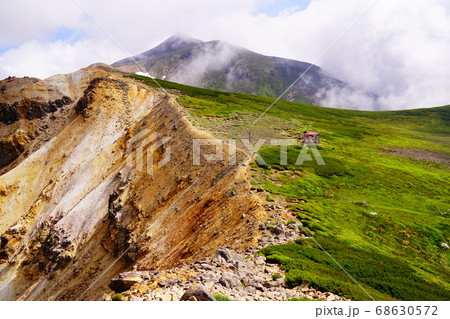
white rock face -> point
(66, 182)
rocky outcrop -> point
(8, 113)
(31, 113)
(10, 150)
(30, 109)
(97, 86)
(12, 146)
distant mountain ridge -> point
(222, 66)
(173, 44)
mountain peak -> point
(175, 43)
(182, 38)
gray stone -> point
(229, 281)
(170, 283)
(256, 284)
(134, 298)
(277, 230)
(274, 283)
(226, 254)
(250, 290)
(199, 292)
(207, 266)
(245, 280)
(260, 260)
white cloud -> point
(210, 58)
(43, 59)
(25, 20)
(399, 50)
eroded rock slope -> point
(78, 204)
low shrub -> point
(276, 276)
(278, 259)
(301, 299)
(221, 298)
(383, 276)
(332, 167)
(117, 297)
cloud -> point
(345, 97)
(43, 59)
(26, 20)
(398, 50)
(212, 57)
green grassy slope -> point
(393, 163)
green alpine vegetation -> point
(221, 298)
(379, 206)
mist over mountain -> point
(222, 66)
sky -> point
(398, 49)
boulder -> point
(226, 257)
(126, 280)
(227, 254)
(197, 292)
(275, 283)
(229, 281)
